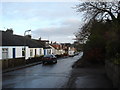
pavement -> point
(89, 77)
(26, 65)
(20, 67)
(41, 76)
(85, 77)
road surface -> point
(41, 76)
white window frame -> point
(31, 52)
(5, 50)
(23, 51)
(40, 51)
(49, 51)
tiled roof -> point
(56, 46)
(17, 40)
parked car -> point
(71, 53)
(49, 59)
(76, 53)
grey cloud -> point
(64, 32)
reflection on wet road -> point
(41, 76)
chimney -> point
(28, 36)
(40, 38)
(55, 42)
(51, 42)
(9, 31)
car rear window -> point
(49, 56)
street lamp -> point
(25, 42)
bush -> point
(115, 61)
(95, 55)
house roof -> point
(56, 46)
(47, 47)
(44, 40)
(66, 44)
(17, 40)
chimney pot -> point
(40, 38)
(9, 31)
(28, 36)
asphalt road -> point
(41, 76)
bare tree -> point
(100, 10)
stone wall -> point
(11, 63)
(113, 72)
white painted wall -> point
(37, 52)
(18, 50)
(27, 55)
(42, 51)
(57, 52)
(33, 53)
(31, 50)
(10, 52)
(53, 50)
(47, 51)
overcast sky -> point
(56, 21)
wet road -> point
(41, 76)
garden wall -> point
(11, 63)
(113, 72)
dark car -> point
(49, 59)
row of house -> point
(63, 48)
(16, 46)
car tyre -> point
(43, 63)
(56, 61)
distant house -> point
(53, 50)
(65, 47)
(57, 49)
(15, 46)
(47, 48)
(71, 50)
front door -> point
(13, 52)
(44, 51)
(35, 52)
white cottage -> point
(15, 46)
(57, 49)
(47, 49)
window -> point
(23, 51)
(40, 51)
(4, 53)
(49, 51)
(31, 52)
